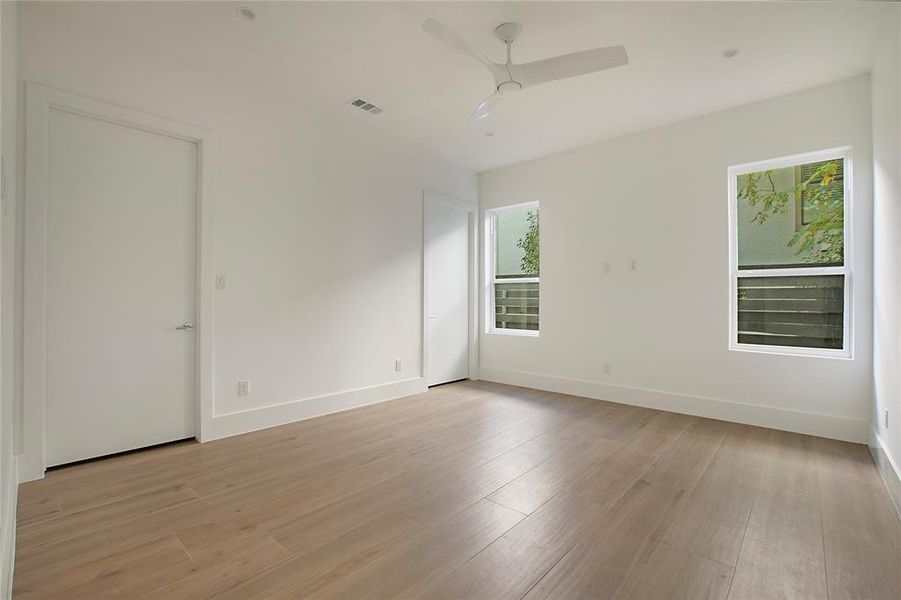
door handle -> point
(186, 326)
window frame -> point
(490, 273)
(733, 172)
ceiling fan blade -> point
(570, 65)
(443, 33)
(485, 107)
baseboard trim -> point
(307, 408)
(830, 426)
(8, 530)
(888, 469)
(29, 468)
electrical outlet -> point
(633, 265)
(398, 365)
(220, 282)
(243, 388)
(885, 418)
(606, 368)
(605, 267)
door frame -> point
(39, 101)
(429, 199)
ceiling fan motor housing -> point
(508, 32)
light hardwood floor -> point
(472, 490)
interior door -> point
(448, 248)
(120, 220)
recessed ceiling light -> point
(245, 13)
(730, 52)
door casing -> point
(429, 199)
(40, 100)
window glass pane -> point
(516, 232)
(516, 305)
(803, 311)
(792, 217)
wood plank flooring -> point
(472, 490)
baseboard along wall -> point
(829, 426)
(307, 408)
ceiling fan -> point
(510, 77)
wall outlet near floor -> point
(220, 281)
(605, 266)
(633, 265)
(243, 388)
(398, 365)
(606, 368)
(885, 418)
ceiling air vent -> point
(365, 105)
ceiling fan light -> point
(509, 86)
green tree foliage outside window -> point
(822, 239)
(529, 245)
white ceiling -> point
(324, 54)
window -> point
(512, 269)
(790, 255)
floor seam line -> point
(741, 546)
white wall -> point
(8, 149)
(659, 197)
(318, 227)
(886, 96)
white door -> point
(120, 279)
(448, 247)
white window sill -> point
(792, 351)
(513, 332)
